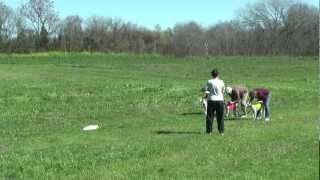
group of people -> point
(214, 91)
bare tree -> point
(301, 29)
(6, 24)
(266, 16)
(72, 33)
(188, 39)
(42, 16)
(98, 34)
(223, 38)
(266, 27)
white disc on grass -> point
(90, 127)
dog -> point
(204, 100)
(204, 105)
(231, 106)
(258, 110)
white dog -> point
(204, 105)
(203, 100)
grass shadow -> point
(191, 113)
(237, 118)
(177, 132)
(232, 118)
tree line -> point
(267, 27)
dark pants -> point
(215, 108)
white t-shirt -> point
(215, 89)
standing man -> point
(215, 90)
(239, 95)
(264, 95)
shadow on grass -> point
(191, 113)
(232, 118)
(177, 132)
(237, 118)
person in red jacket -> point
(264, 95)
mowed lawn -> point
(151, 126)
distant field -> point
(149, 116)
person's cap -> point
(229, 90)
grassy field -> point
(148, 111)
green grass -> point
(148, 112)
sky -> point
(149, 13)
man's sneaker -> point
(222, 134)
(267, 119)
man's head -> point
(214, 73)
(228, 90)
